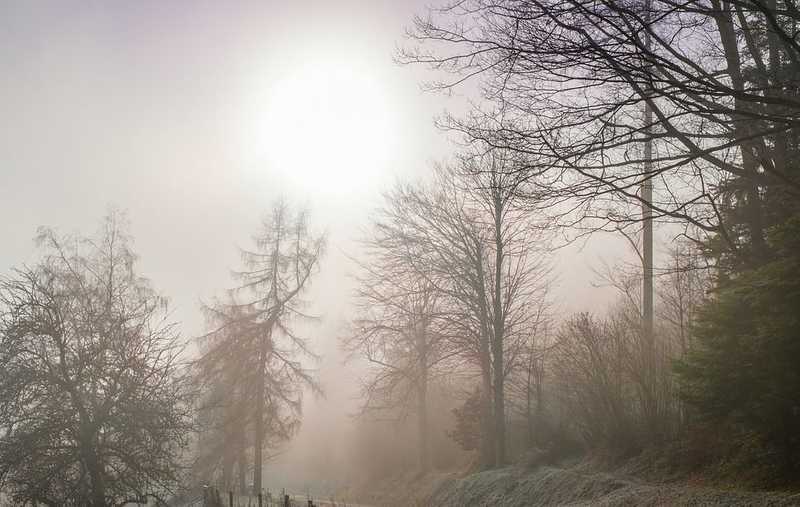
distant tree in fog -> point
(254, 355)
(94, 401)
(397, 330)
(433, 228)
(526, 387)
(225, 406)
(467, 236)
(682, 288)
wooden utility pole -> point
(647, 211)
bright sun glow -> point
(324, 128)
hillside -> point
(578, 484)
(512, 487)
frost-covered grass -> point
(517, 487)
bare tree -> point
(256, 329)
(395, 332)
(441, 242)
(683, 286)
(643, 355)
(564, 83)
(94, 400)
(589, 364)
(477, 249)
(526, 386)
(398, 330)
(519, 275)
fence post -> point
(260, 499)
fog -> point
(149, 108)
(193, 118)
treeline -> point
(103, 403)
(454, 297)
(603, 116)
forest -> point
(667, 126)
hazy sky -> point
(193, 116)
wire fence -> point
(214, 497)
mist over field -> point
(399, 253)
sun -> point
(325, 127)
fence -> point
(213, 497)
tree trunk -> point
(499, 406)
(540, 399)
(424, 444)
(487, 450)
(742, 131)
(258, 447)
(528, 402)
(95, 470)
(227, 464)
(488, 456)
(422, 402)
(499, 333)
(242, 470)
